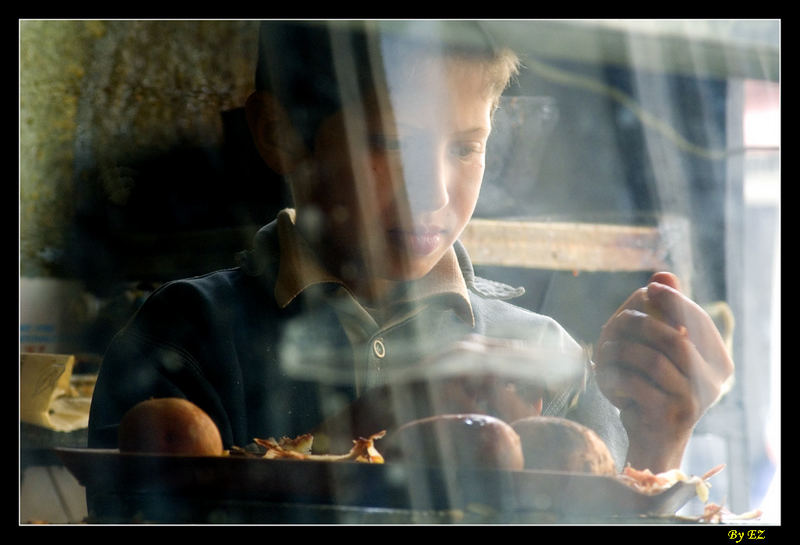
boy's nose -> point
(426, 182)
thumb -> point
(666, 278)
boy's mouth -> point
(419, 242)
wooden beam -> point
(571, 246)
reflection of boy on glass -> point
(382, 138)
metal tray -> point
(390, 486)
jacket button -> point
(378, 348)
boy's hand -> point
(661, 360)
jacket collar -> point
(264, 260)
(281, 256)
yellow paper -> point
(46, 397)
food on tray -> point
(178, 426)
(458, 440)
(299, 445)
(299, 448)
(647, 482)
(169, 425)
(557, 444)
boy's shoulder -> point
(500, 317)
(492, 289)
(211, 298)
(211, 285)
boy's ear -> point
(276, 140)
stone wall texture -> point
(93, 93)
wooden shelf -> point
(577, 246)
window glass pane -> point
(613, 150)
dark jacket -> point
(222, 341)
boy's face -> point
(400, 174)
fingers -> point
(651, 351)
(671, 306)
(680, 312)
(690, 382)
(621, 358)
(661, 360)
(662, 300)
(640, 401)
(661, 286)
(633, 326)
(652, 398)
(666, 278)
(636, 301)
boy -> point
(382, 138)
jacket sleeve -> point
(590, 408)
(596, 412)
(171, 348)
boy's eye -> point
(411, 146)
(464, 150)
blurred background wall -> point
(134, 167)
(114, 114)
(135, 164)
